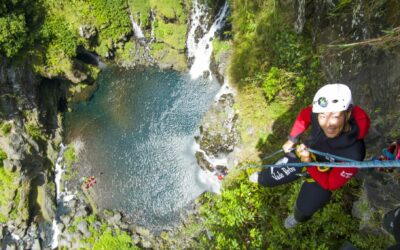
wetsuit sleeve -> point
(302, 122)
(362, 120)
(333, 179)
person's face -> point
(332, 123)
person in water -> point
(337, 127)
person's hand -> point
(288, 146)
(303, 153)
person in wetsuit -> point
(337, 127)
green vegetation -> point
(12, 34)
(6, 128)
(3, 156)
(220, 47)
(276, 72)
(35, 132)
(248, 216)
(274, 69)
(51, 32)
(120, 240)
(102, 237)
(70, 156)
(8, 190)
(143, 8)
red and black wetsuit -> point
(316, 193)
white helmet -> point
(332, 98)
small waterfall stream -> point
(135, 26)
(301, 16)
(62, 195)
(201, 50)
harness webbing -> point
(314, 151)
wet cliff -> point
(31, 132)
(359, 43)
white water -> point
(58, 172)
(61, 196)
(152, 19)
(301, 17)
(202, 50)
(136, 28)
(225, 89)
(201, 53)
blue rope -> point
(353, 164)
(349, 163)
(273, 154)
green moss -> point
(168, 56)
(118, 240)
(256, 118)
(170, 9)
(102, 237)
(255, 213)
(127, 54)
(143, 7)
(3, 156)
(174, 35)
(35, 132)
(9, 197)
(3, 219)
(70, 156)
(6, 128)
(219, 48)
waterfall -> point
(152, 20)
(58, 174)
(61, 196)
(301, 17)
(208, 180)
(201, 50)
(135, 27)
(225, 89)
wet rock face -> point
(29, 105)
(18, 88)
(218, 134)
(365, 59)
(87, 31)
(358, 52)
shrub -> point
(118, 240)
(35, 132)
(69, 156)
(248, 216)
(6, 128)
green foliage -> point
(248, 216)
(3, 156)
(268, 52)
(174, 35)
(6, 128)
(220, 47)
(12, 34)
(170, 9)
(8, 190)
(70, 156)
(102, 237)
(275, 81)
(19, 20)
(118, 241)
(143, 7)
(35, 132)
